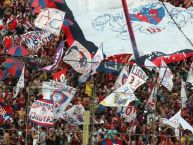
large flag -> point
(151, 23)
(41, 113)
(34, 39)
(78, 57)
(136, 77)
(20, 83)
(122, 78)
(184, 98)
(165, 76)
(120, 97)
(57, 57)
(96, 60)
(51, 20)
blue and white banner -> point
(155, 31)
(57, 57)
(78, 57)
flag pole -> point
(131, 32)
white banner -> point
(165, 76)
(184, 98)
(78, 57)
(153, 27)
(51, 20)
(122, 78)
(60, 93)
(120, 97)
(35, 39)
(151, 101)
(136, 77)
(41, 113)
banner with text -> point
(41, 113)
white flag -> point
(122, 79)
(129, 113)
(97, 59)
(190, 75)
(151, 101)
(120, 97)
(136, 77)
(183, 94)
(150, 65)
(165, 76)
(51, 20)
(20, 83)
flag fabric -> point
(4, 74)
(165, 76)
(34, 39)
(60, 75)
(190, 75)
(129, 113)
(151, 23)
(57, 57)
(41, 113)
(20, 83)
(60, 93)
(95, 62)
(122, 78)
(81, 62)
(184, 98)
(120, 97)
(74, 115)
(50, 19)
(150, 65)
(88, 89)
(136, 77)
(4, 114)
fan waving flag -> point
(60, 75)
(155, 31)
(51, 20)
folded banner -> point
(60, 76)
(78, 57)
(35, 39)
(60, 93)
(155, 31)
(120, 97)
(122, 79)
(41, 113)
(136, 77)
(51, 20)
(74, 115)
(57, 57)
(165, 76)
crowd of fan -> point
(107, 123)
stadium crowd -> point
(106, 122)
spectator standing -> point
(42, 136)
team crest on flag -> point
(78, 57)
